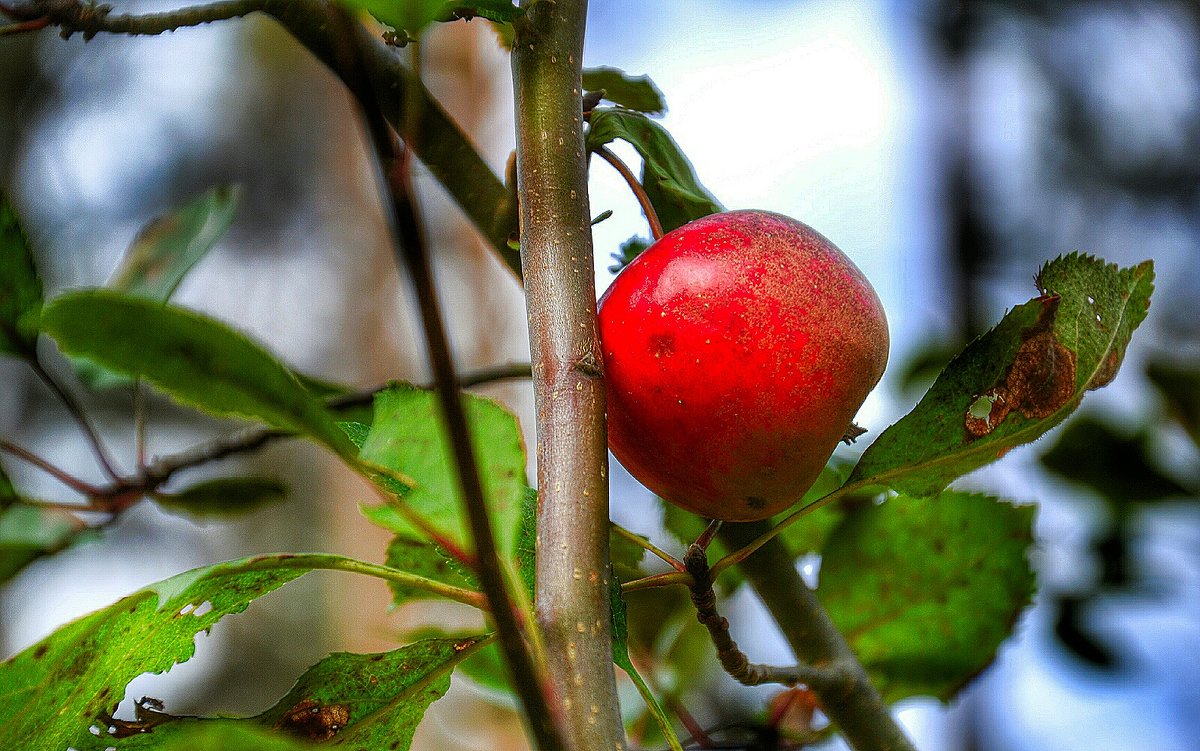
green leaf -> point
(29, 532)
(8, 494)
(626, 556)
(668, 177)
(412, 16)
(354, 700)
(1017, 381)
(633, 92)
(1180, 386)
(224, 496)
(629, 250)
(168, 247)
(160, 257)
(424, 558)
(488, 670)
(20, 285)
(409, 437)
(525, 543)
(925, 590)
(498, 11)
(1118, 467)
(377, 700)
(620, 650)
(357, 432)
(52, 692)
(194, 358)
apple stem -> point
(706, 537)
(656, 228)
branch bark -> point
(852, 703)
(556, 253)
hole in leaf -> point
(204, 609)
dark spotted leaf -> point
(925, 590)
(370, 700)
(1018, 380)
(195, 734)
(53, 692)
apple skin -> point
(737, 350)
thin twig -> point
(74, 483)
(393, 160)
(656, 228)
(648, 546)
(90, 19)
(77, 413)
(504, 372)
(22, 27)
(669, 579)
(732, 658)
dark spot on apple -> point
(662, 345)
(40, 652)
(755, 502)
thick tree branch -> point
(572, 447)
(435, 137)
(851, 702)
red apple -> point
(737, 350)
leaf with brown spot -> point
(1017, 381)
(52, 692)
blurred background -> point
(949, 148)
